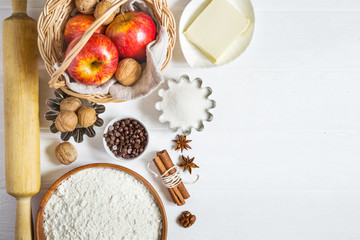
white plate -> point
(194, 57)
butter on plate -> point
(216, 28)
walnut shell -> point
(66, 121)
(66, 153)
(101, 7)
(87, 116)
(86, 6)
(128, 71)
(186, 219)
(70, 104)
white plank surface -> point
(280, 160)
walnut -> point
(70, 104)
(101, 7)
(86, 6)
(66, 121)
(66, 153)
(128, 71)
(186, 219)
(87, 116)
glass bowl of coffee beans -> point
(125, 138)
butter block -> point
(216, 28)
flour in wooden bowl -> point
(102, 203)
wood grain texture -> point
(286, 131)
(21, 104)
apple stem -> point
(122, 13)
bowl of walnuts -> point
(73, 117)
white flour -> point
(102, 203)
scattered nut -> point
(86, 6)
(186, 219)
(101, 7)
(70, 104)
(66, 121)
(66, 153)
(87, 116)
(128, 71)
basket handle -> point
(54, 83)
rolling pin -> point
(21, 104)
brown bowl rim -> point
(39, 230)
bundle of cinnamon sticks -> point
(163, 162)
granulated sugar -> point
(185, 104)
(102, 203)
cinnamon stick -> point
(165, 158)
(174, 192)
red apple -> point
(77, 25)
(96, 62)
(131, 32)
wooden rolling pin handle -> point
(18, 6)
(23, 229)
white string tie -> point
(173, 179)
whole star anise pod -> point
(182, 143)
(188, 163)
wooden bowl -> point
(39, 230)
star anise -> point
(188, 163)
(182, 143)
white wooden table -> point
(281, 160)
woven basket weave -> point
(51, 25)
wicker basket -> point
(51, 25)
